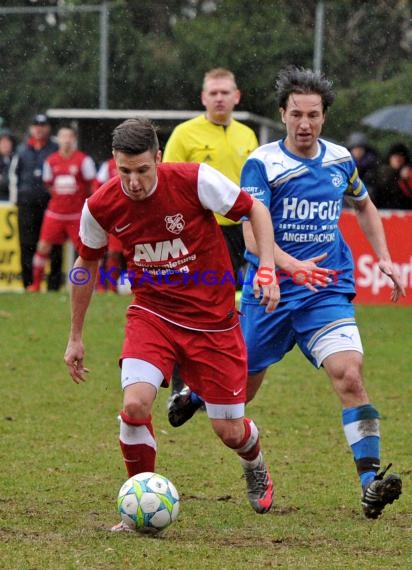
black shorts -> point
(236, 246)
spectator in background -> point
(7, 146)
(113, 261)
(366, 158)
(222, 142)
(29, 193)
(394, 187)
(68, 174)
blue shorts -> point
(320, 325)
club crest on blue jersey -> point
(337, 179)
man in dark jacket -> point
(32, 197)
(7, 146)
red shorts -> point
(213, 364)
(58, 232)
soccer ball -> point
(148, 502)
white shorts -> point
(341, 339)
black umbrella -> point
(397, 118)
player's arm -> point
(264, 284)
(92, 244)
(89, 174)
(83, 280)
(371, 225)
(47, 176)
(313, 275)
(220, 195)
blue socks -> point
(361, 427)
(195, 399)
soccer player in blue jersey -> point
(303, 179)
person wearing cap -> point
(27, 190)
(7, 146)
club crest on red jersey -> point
(175, 224)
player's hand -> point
(309, 274)
(73, 358)
(398, 289)
(266, 289)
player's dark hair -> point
(135, 136)
(303, 81)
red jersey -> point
(177, 259)
(69, 179)
(106, 171)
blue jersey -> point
(305, 197)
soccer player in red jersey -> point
(184, 295)
(68, 173)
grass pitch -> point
(61, 467)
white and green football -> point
(148, 502)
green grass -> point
(61, 467)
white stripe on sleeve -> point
(216, 192)
(103, 172)
(47, 172)
(91, 232)
(88, 168)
